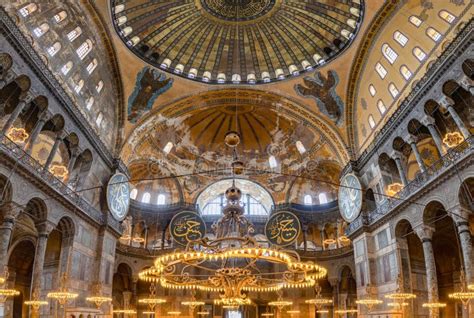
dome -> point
(237, 41)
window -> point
(234, 314)
(323, 199)
(54, 49)
(42, 29)
(99, 119)
(99, 86)
(60, 16)
(272, 162)
(400, 38)
(78, 87)
(389, 53)
(372, 90)
(415, 20)
(74, 34)
(433, 34)
(406, 73)
(381, 107)
(381, 70)
(252, 206)
(146, 197)
(419, 54)
(89, 103)
(66, 68)
(84, 49)
(386, 268)
(168, 147)
(371, 121)
(161, 199)
(446, 16)
(308, 200)
(28, 9)
(393, 90)
(301, 148)
(91, 66)
(133, 194)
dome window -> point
(323, 198)
(419, 54)
(371, 121)
(393, 90)
(133, 194)
(192, 73)
(446, 16)
(146, 197)
(92, 66)
(28, 9)
(372, 90)
(60, 16)
(89, 103)
(119, 8)
(433, 34)
(306, 65)
(272, 162)
(308, 200)
(78, 87)
(207, 76)
(251, 78)
(236, 78)
(381, 106)
(400, 38)
(42, 29)
(179, 69)
(54, 49)
(99, 86)
(301, 148)
(168, 147)
(122, 20)
(166, 63)
(74, 34)
(406, 73)
(389, 53)
(126, 31)
(380, 70)
(221, 78)
(85, 48)
(161, 200)
(266, 77)
(66, 68)
(416, 21)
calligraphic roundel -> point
(118, 196)
(186, 227)
(350, 197)
(283, 228)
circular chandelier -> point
(36, 304)
(470, 286)
(346, 311)
(369, 301)
(152, 301)
(434, 305)
(319, 301)
(63, 295)
(98, 299)
(125, 311)
(231, 263)
(203, 313)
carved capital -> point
(425, 233)
(9, 211)
(427, 120)
(410, 139)
(45, 228)
(446, 101)
(396, 155)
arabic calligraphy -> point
(186, 227)
(118, 196)
(350, 197)
(283, 228)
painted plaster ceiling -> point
(237, 41)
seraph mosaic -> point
(150, 84)
(323, 90)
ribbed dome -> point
(237, 41)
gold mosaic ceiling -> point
(237, 41)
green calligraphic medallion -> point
(186, 227)
(350, 197)
(118, 196)
(283, 228)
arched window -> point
(84, 49)
(42, 29)
(133, 194)
(371, 121)
(66, 68)
(272, 162)
(146, 197)
(406, 73)
(60, 16)
(381, 107)
(308, 200)
(99, 86)
(372, 90)
(433, 34)
(54, 49)
(99, 119)
(380, 70)
(416, 21)
(161, 199)
(89, 103)
(389, 53)
(301, 148)
(419, 54)
(168, 147)
(400, 38)
(393, 90)
(28, 9)
(91, 66)
(323, 199)
(78, 87)
(74, 34)
(446, 16)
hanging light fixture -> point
(319, 301)
(62, 296)
(280, 303)
(7, 292)
(369, 301)
(98, 299)
(35, 303)
(152, 301)
(453, 139)
(346, 311)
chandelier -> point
(369, 301)
(125, 311)
(203, 313)
(35, 303)
(98, 299)
(346, 311)
(230, 263)
(319, 301)
(280, 303)
(7, 292)
(62, 295)
(463, 295)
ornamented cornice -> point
(16, 38)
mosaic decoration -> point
(150, 84)
(323, 90)
(283, 228)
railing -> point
(21, 157)
(433, 171)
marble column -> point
(35, 132)
(425, 234)
(16, 112)
(460, 216)
(398, 161)
(72, 161)
(334, 282)
(466, 83)
(412, 142)
(10, 213)
(429, 122)
(53, 152)
(7, 79)
(448, 103)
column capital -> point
(10, 211)
(425, 233)
(446, 101)
(396, 155)
(27, 98)
(427, 120)
(61, 134)
(410, 139)
(333, 281)
(459, 214)
(44, 228)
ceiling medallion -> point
(231, 264)
(238, 10)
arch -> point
(54, 124)
(6, 63)
(6, 190)
(432, 211)
(37, 209)
(466, 193)
(67, 227)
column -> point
(449, 103)
(425, 234)
(72, 160)
(466, 83)
(7, 79)
(16, 112)
(53, 151)
(321, 230)
(305, 237)
(412, 142)
(35, 132)
(429, 122)
(398, 161)
(334, 282)
(460, 217)
(10, 213)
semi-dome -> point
(237, 41)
